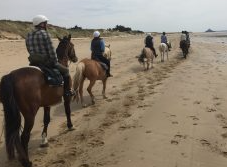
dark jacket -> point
(149, 42)
(97, 47)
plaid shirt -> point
(38, 42)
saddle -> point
(52, 76)
(103, 65)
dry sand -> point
(171, 116)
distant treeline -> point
(118, 28)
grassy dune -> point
(19, 29)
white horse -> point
(163, 49)
(107, 54)
(146, 57)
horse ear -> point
(59, 38)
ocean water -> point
(213, 37)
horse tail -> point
(11, 115)
(77, 78)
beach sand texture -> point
(173, 115)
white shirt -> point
(183, 37)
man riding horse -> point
(42, 52)
(97, 51)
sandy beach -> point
(173, 115)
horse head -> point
(65, 50)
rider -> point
(97, 51)
(149, 43)
(42, 52)
(182, 38)
(164, 40)
(187, 37)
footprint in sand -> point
(197, 102)
(84, 165)
(204, 142)
(224, 135)
(177, 139)
(208, 109)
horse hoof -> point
(26, 163)
(44, 145)
(71, 128)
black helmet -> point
(164, 33)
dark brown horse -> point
(92, 70)
(25, 90)
(184, 47)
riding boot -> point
(67, 89)
(154, 52)
(108, 73)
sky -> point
(144, 15)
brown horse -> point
(25, 90)
(92, 70)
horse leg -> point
(104, 88)
(67, 100)
(92, 82)
(46, 121)
(167, 55)
(81, 93)
(25, 137)
(144, 66)
(148, 64)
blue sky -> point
(145, 15)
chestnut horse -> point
(25, 90)
(92, 70)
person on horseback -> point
(149, 43)
(182, 38)
(187, 38)
(164, 40)
(97, 51)
(42, 52)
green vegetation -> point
(21, 28)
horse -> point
(107, 54)
(24, 91)
(184, 45)
(146, 57)
(163, 49)
(92, 70)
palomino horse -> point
(107, 54)
(163, 49)
(146, 57)
(92, 70)
(25, 90)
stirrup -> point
(70, 93)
